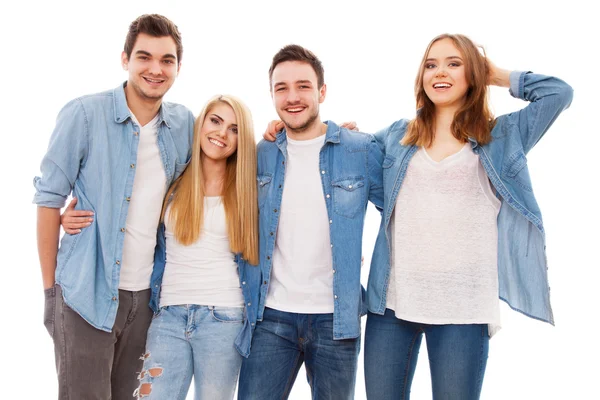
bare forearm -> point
(48, 232)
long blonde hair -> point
(186, 212)
(474, 119)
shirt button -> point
(268, 257)
(331, 221)
(275, 210)
(122, 229)
(327, 196)
(132, 165)
(323, 172)
(335, 296)
(332, 245)
(128, 198)
(265, 282)
(118, 262)
(271, 233)
(249, 304)
(349, 186)
(252, 324)
(334, 271)
(135, 133)
(156, 286)
(114, 299)
(243, 283)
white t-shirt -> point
(302, 274)
(149, 188)
(205, 272)
(445, 243)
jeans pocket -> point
(49, 309)
(228, 314)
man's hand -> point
(350, 125)
(73, 220)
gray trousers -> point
(92, 364)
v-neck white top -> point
(445, 243)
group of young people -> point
(190, 252)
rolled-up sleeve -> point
(66, 154)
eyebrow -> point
(298, 81)
(144, 52)
(221, 119)
(447, 58)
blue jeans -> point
(457, 357)
(192, 340)
(282, 342)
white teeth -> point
(294, 109)
(442, 85)
(153, 80)
(217, 143)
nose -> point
(154, 67)
(222, 132)
(441, 71)
(293, 96)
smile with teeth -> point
(294, 110)
(216, 142)
(150, 80)
(441, 85)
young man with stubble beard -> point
(116, 153)
(314, 183)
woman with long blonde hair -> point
(206, 255)
(461, 227)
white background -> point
(57, 50)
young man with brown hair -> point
(116, 152)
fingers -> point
(72, 204)
(351, 125)
(272, 129)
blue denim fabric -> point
(92, 155)
(522, 269)
(457, 357)
(250, 278)
(192, 340)
(350, 165)
(282, 342)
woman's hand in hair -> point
(497, 76)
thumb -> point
(72, 204)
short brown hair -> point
(293, 52)
(154, 25)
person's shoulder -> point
(265, 146)
(178, 110)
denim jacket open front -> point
(92, 155)
(522, 266)
(351, 175)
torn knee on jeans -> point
(155, 372)
(144, 390)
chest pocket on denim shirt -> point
(349, 196)
(515, 170)
(263, 182)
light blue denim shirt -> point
(350, 169)
(522, 268)
(92, 154)
(249, 282)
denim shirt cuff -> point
(517, 84)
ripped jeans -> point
(188, 341)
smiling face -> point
(219, 133)
(296, 95)
(152, 67)
(444, 79)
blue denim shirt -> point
(249, 282)
(522, 270)
(92, 154)
(350, 166)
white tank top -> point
(445, 243)
(205, 272)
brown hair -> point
(154, 25)
(293, 52)
(474, 119)
(239, 194)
